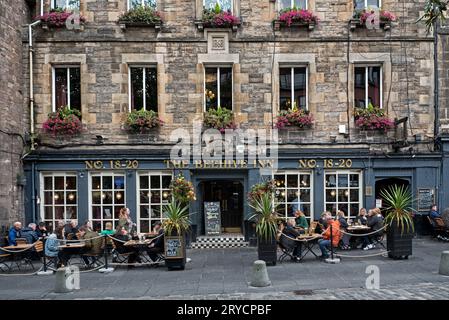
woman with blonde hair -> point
(124, 219)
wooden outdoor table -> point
(22, 254)
(141, 247)
(18, 247)
(72, 245)
(358, 228)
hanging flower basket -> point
(57, 18)
(64, 122)
(141, 16)
(141, 121)
(217, 18)
(293, 17)
(361, 17)
(294, 117)
(182, 190)
(220, 119)
(372, 118)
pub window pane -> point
(359, 87)
(143, 88)
(361, 4)
(292, 181)
(152, 194)
(67, 88)
(367, 86)
(218, 88)
(59, 197)
(136, 88)
(285, 88)
(108, 199)
(225, 5)
(211, 88)
(226, 88)
(374, 86)
(151, 89)
(300, 4)
(300, 87)
(343, 195)
(65, 4)
(136, 3)
(296, 96)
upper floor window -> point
(66, 88)
(136, 3)
(362, 4)
(367, 86)
(65, 4)
(293, 88)
(218, 87)
(143, 88)
(300, 4)
(225, 5)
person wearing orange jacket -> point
(325, 243)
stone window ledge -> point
(278, 25)
(46, 27)
(355, 23)
(201, 26)
(126, 24)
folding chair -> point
(439, 229)
(286, 251)
(4, 267)
(118, 257)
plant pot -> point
(175, 251)
(399, 245)
(267, 250)
(127, 24)
(277, 25)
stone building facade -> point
(365, 161)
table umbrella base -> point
(45, 273)
(106, 270)
(333, 261)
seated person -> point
(301, 221)
(322, 222)
(157, 245)
(361, 218)
(434, 212)
(325, 243)
(66, 253)
(343, 226)
(289, 242)
(375, 222)
(29, 233)
(70, 230)
(41, 230)
(92, 241)
(52, 246)
(120, 237)
(14, 233)
(108, 231)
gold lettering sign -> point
(219, 164)
(111, 164)
(326, 163)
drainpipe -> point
(436, 81)
(30, 46)
(33, 193)
(42, 7)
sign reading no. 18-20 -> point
(112, 164)
(325, 163)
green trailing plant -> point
(265, 207)
(141, 121)
(142, 14)
(176, 216)
(434, 11)
(219, 118)
(398, 201)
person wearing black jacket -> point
(41, 230)
(157, 245)
(120, 237)
(29, 233)
(375, 222)
(343, 226)
(291, 234)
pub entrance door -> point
(230, 196)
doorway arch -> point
(384, 184)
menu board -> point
(173, 248)
(212, 218)
(425, 199)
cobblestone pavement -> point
(225, 274)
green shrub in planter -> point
(141, 15)
(141, 121)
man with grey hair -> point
(30, 234)
(14, 233)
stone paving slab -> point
(225, 274)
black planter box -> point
(179, 260)
(267, 250)
(399, 245)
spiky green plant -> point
(265, 207)
(434, 11)
(176, 216)
(399, 207)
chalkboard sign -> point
(173, 248)
(425, 199)
(212, 217)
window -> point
(218, 87)
(135, 3)
(143, 88)
(225, 5)
(293, 88)
(367, 86)
(65, 4)
(66, 88)
(107, 197)
(343, 192)
(294, 192)
(362, 4)
(300, 4)
(154, 192)
(59, 198)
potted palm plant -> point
(175, 224)
(399, 221)
(266, 226)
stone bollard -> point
(259, 277)
(66, 280)
(444, 263)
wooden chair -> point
(4, 266)
(286, 251)
(312, 227)
(438, 227)
(21, 241)
(118, 257)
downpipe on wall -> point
(30, 50)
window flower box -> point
(372, 119)
(294, 117)
(295, 18)
(220, 119)
(360, 19)
(57, 18)
(141, 17)
(216, 18)
(64, 122)
(141, 121)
